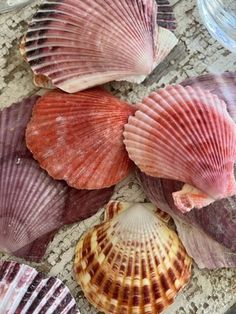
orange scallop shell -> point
(78, 138)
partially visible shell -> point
(76, 45)
(206, 252)
(165, 15)
(132, 263)
(33, 206)
(185, 134)
(24, 290)
(78, 138)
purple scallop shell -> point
(206, 252)
(216, 223)
(33, 206)
(24, 290)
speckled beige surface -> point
(209, 292)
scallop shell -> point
(132, 263)
(78, 138)
(185, 134)
(24, 290)
(222, 85)
(32, 205)
(80, 44)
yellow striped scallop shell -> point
(132, 263)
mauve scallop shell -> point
(206, 252)
(78, 138)
(33, 206)
(77, 44)
(132, 263)
(185, 134)
(24, 290)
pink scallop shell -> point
(185, 134)
(77, 44)
(32, 205)
(24, 290)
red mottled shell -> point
(185, 134)
(78, 138)
(77, 44)
(33, 206)
(132, 263)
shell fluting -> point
(24, 290)
(185, 134)
(132, 263)
(222, 85)
(78, 138)
(80, 44)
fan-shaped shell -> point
(132, 263)
(185, 134)
(32, 205)
(78, 138)
(81, 44)
(24, 290)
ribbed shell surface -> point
(223, 85)
(25, 291)
(185, 134)
(78, 138)
(132, 263)
(77, 44)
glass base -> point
(220, 21)
(11, 5)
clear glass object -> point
(10, 5)
(219, 16)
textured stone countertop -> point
(209, 292)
